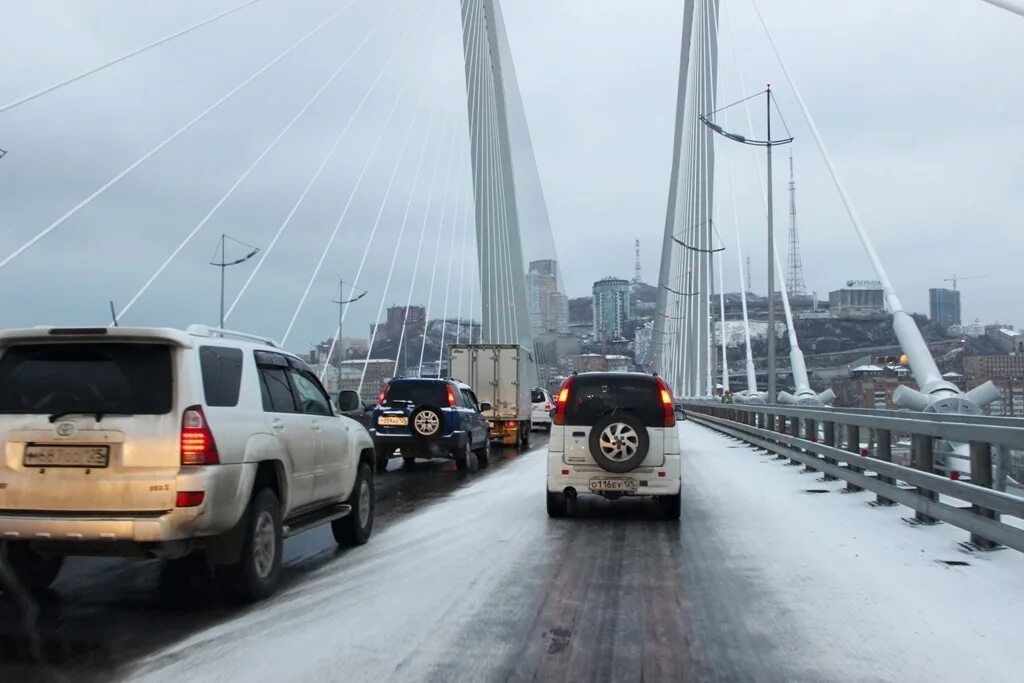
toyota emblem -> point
(66, 428)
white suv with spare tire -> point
(160, 443)
(613, 435)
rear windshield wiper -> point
(98, 414)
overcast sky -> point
(920, 101)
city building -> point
(611, 307)
(378, 371)
(396, 318)
(859, 299)
(944, 307)
(620, 363)
(549, 308)
(591, 362)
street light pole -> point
(770, 398)
(342, 302)
(223, 264)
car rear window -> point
(52, 378)
(591, 398)
(417, 393)
(222, 375)
(537, 396)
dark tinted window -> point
(594, 397)
(277, 391)
(222, 374)
(417, 392)
(89, 378)
(469, 399)
(537, 396)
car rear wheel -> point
(381, 455)
(672, 506)
(524, 441)
(35, 571)
(258, 571)
(356, 527)
(466, 460)
(557, 504)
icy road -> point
(760, 581)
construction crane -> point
(955, 279)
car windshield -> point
(417, 393)
(593, 397)
(59, 378)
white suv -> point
(614, 435)
(147, 442)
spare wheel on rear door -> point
(426, 422)
(619, 442)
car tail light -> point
(383, 394)
(666, 402)
(547, 406)
(189, 499)
(451, 396)
(511, 424)
(563, 400)
(197, 444)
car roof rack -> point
(207, 331)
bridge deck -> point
(761, 580)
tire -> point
(524, 442)
(483, 453)
(466, 460)
(356, 527)
(619, 443)
(36, 572)
(557, 505)
(672, 506)
(409, 460)
(547, 427)
(426, 422)
(257, 573)
(381, 456)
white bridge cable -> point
(398, 241)
(437, 253)
(1008, 5)
(351, 198)
(199, 117)
(248, 171)
(451, 261)
(117, 60)
(402, 341)
(316, 175)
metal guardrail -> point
(835, 451)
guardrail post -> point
(884, 453)
(1002, 467)
(829, 429)
(810, 434)
(853, 446)
(981, 475)
(794, 430)
(923, 449)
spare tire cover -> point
(619, 442)
(426, 422)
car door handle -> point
(277, 425)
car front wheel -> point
(356, 527)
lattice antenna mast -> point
(795, 278)
(637, 273)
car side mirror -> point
(485, 406)
(348, 401)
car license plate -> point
(66, 456)
(393, 421)
(625, 485)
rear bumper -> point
(226, 494)
(506, 432)
(652, 481)
(439, 447)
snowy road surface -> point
(761, 581)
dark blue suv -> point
(430, 418)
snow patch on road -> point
(871, 596)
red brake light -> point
(666, 402)
(547, 406)
(563, 400)
(383, 394)
(197, 444)
(189, 499)
(451, 396)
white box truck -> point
(502, 375)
